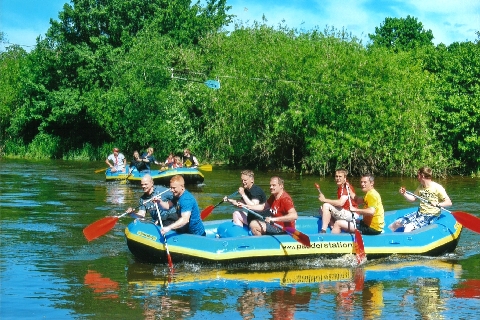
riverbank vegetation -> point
(131, 75)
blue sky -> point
(450, 20)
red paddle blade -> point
(297, 235)
(359, 247)
(206, 212)
(170, 262)
(99, 228)
(467, 220)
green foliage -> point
(12, 62)
(73, 85)
(401, 34)
(43, 147)
(131, 75)
(319, 102)
(457, 116)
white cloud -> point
(449, 20)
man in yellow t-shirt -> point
(427, 212)
(373, 220)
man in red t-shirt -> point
(281, 208)
(338, 209)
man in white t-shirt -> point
(116, 161)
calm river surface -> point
(49, 271)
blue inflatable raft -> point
(192, 176)
(228, 243)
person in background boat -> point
(186, 206)
(251, 194)
(116, 161)
(338, 209)
(137, 163)
(189, 160)
(150, 191)
(373, 213)
(170, 161)
(281, 207)
(178, 163)
(427, 212)
(148, 158)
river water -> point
(49, 271)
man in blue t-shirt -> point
(188, 213)
(146, 202)
(148, 158)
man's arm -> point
(165, 204)
(256, 207)
(334, 202)
(370, 211)
(183, 220)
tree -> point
(457, 117)
(401, 34)
(12, 61)
(72, 69)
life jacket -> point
(188, 161)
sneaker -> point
(323, 231)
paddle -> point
(126, 179)
(318, 188)
(169, 258)
(205, 167)
(467, 220)
(100, 170)
(294, 233)
(206, 212)
(358, 240)
(102, 226)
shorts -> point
(272, 229)
(168, 217)
(251, 216)
(342, 214)
(366, 230)
(414, 220)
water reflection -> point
(419, 287)
(45, 205)
(284, 302)
(469, 288)
(167, 307)
(425, 294)
(103, 287)
(372, 300)
(344, 291)
(118, 194)
(247, 302)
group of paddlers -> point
(142, 163)
(347, 213)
